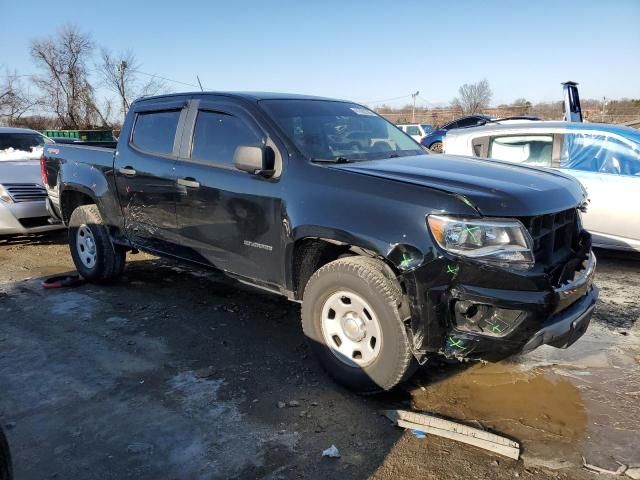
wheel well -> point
(71, 200)
(310, 254)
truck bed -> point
(87, 154)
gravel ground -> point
(178, 373)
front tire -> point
(351, 315)
(95, 256)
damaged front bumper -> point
(563, 329)
(465, 311)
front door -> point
(609, 169)
(227, 218)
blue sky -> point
(360, 50)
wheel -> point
(436, 147)
(96, 258)
(351, 315)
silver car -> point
(604, 158)
(22, 197)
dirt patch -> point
(177, 373)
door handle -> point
(127, 171)
(188, 182)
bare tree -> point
(15, 101)
(120, 74)
(472, 98)
(521, 105)
(64, 83)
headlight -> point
(496, 240)
(4, 195)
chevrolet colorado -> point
(396, 255)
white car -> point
(417, 131)
(605, 158)
(23, 207)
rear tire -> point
(436, 147)
(95, 256)
(351, 315)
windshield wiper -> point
(331, 160)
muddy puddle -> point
(560, 405)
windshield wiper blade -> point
(331, 160)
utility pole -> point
(413, 113)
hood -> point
(493, 188)
(20, 171)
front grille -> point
(554, 236)
(33, 222)
(25, 192)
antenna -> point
(200, 83)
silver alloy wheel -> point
(86, 246)
(351, 329)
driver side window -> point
(217, 135)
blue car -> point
(434, 140)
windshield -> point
(324, 129)
(427, 128)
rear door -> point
(227, 218)
(145, 176)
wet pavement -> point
(559, 407)
(177, 373)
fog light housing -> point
(485, 319)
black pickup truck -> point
(396, 255)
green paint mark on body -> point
(455, 343)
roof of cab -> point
(250, 96)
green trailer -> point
(83, 135)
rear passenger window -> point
(413, 130)
(530, 149)
(156, 131)
(217, 135)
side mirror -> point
(256, 160)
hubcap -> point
(86, 246)
(350, 329)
